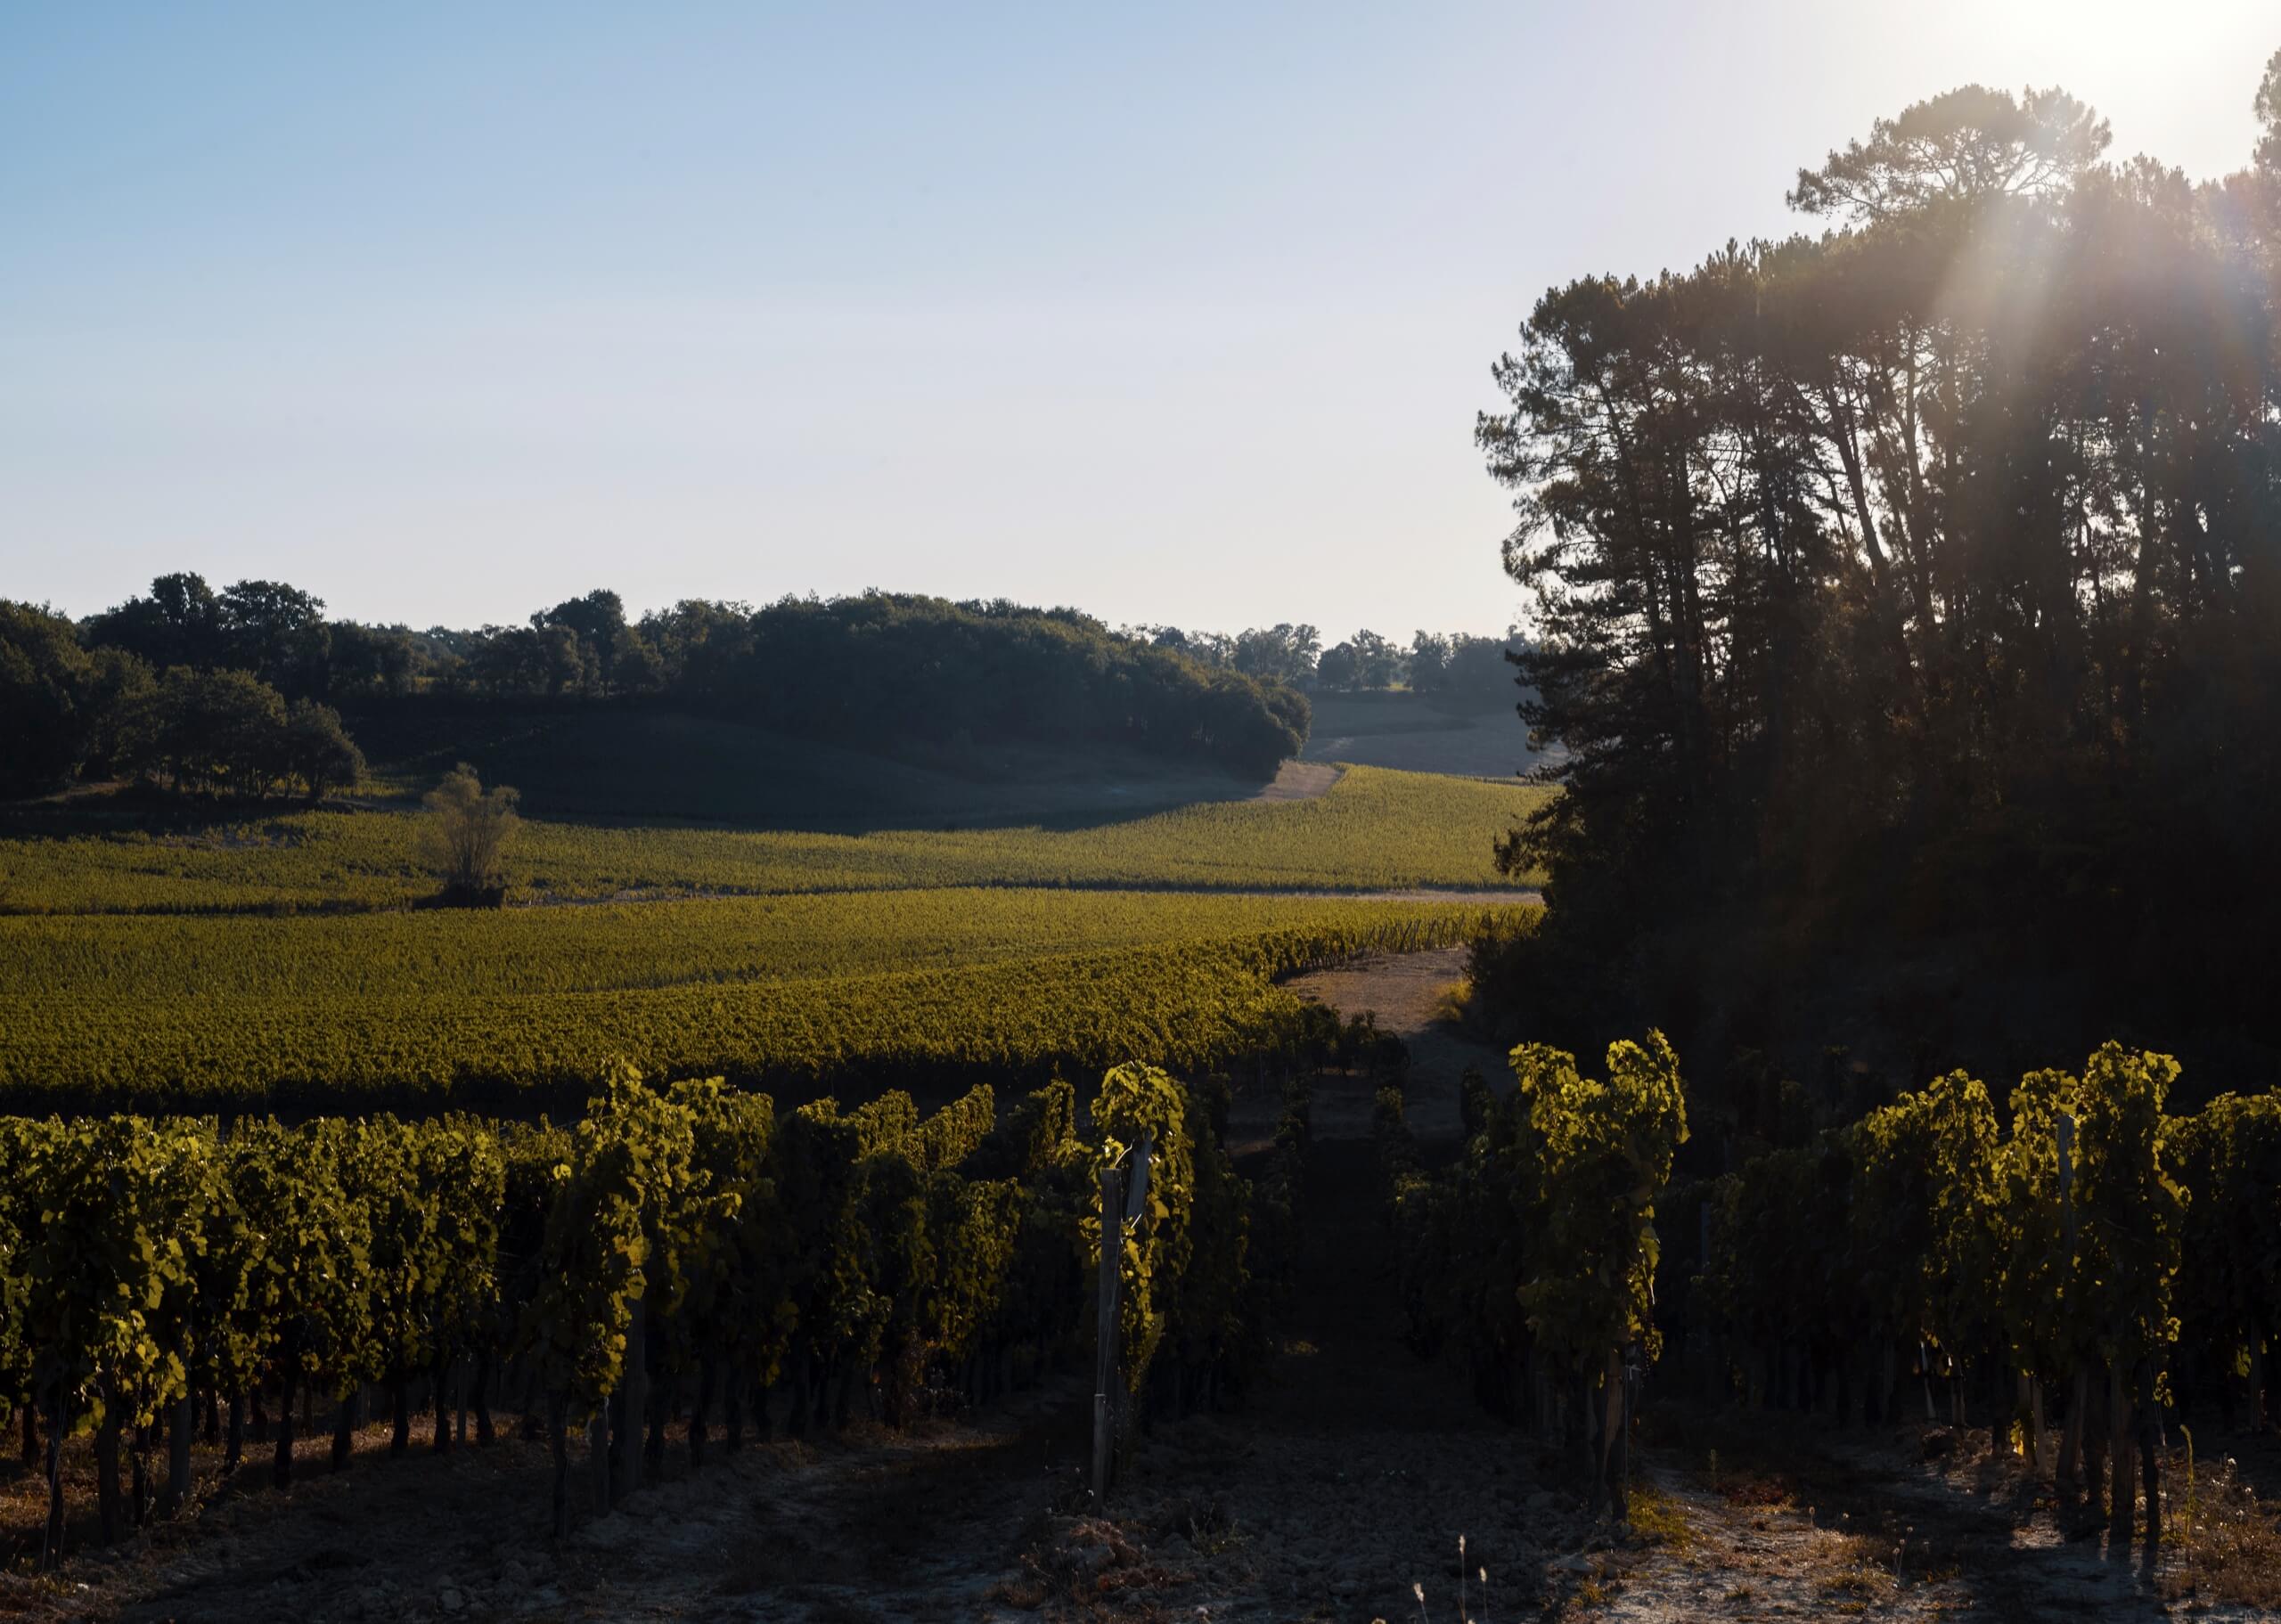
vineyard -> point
(1375, 829)
(518, 1011)
(2060, 1279)
(686, 1252)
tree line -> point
(1919, 580)
(878, 668)
(1455, 667)
(69, 711)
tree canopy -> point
(1923, 576)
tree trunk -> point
(185, 1422)
(443, 1442)
(138, 1497)
(598, 1457)
(282, 1468)
(630, 1406)
(108, 1510)
(51, 1543)
(1580, 1439)
(558, 1412)
(733, 1410)
(233, 1439)
(795, 1424)
(2097, 1432)
(482, 1385)
(1612, 1434)
(233, 1435)
(2150, 1451)
(260, 1415)
(30, 1417)
(344, 1427)
(399, 1414)
(707, 1374)
(665, 1397)
(2119, 1464)
(2071, 1435)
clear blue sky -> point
(1175, 313)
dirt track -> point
(1298, 780)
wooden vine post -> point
(1105, 1351)
(1125, 1188)
(629, 1405)
(2078, 1391)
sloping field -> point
(1410, 733)
(524, 1009)
(1371, 830)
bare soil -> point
(1300, 781)
(1327, 1495)
(1409, 994)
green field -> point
(1415, 733)
(1376, 829)
(927, 991)
(292, 958)
(119, 960)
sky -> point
(1177, 313)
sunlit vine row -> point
(688, 1239)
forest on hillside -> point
(213, 689)
(1908, 595)
(245, 688)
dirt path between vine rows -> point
(1328, 1494)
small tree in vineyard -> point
(466, 833)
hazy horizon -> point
(1177, 317)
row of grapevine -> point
(2073, 1265)
(1195, 1005)
(679, 1249)
(1536, 1254)
(2085, 1263)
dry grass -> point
(1856, 1570)
(1755, 1488)
(2231, 1551)
(1661, 1519)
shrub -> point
(466, 834)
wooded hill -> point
(102, 697)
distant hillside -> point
(1416, 734)
(610, 763)
(234, 693)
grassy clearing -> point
(1374, 831)
(1409, 731)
